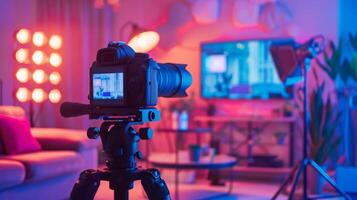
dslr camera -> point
(123, 82)
(121, 77)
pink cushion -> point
(16, 136)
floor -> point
(202, 190)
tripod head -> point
(119, 139)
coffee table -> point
(171, 161)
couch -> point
(49, 173)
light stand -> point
(31, 114)
(301, 57)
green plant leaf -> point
(353, 66)
(332, 74)
(353, 40)
(345, 70)
(323, 124)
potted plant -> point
(324, 140)
(341, 66)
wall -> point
(13, 14)
(347, 17)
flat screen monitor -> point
(240, 70)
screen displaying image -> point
(240, 70)
(108, 86)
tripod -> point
(120, 143)
(301, 167)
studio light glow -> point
(38, 57)
(55, 78)
(55, 59)
(23, 36)
(55, 42)
(39, 76)
(55, 96)
(23, 75)
(22, 55)
(39, 39)
(38, 95)
(144, 41)
(23, 94)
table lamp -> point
(141, 40)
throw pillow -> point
(16, 136)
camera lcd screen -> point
(108, 86)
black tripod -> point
(301, 167)
(120, 143)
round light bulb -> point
(38, 95)
(55, 78)
(38, 39)
(55, 59)
(23, 36)
(55, 41)
(23, 75)
(55, 96)
(23, 94)
(22, 55)
(38, 57)
(39, 76)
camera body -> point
(130, 82)
(121, 78)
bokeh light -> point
(55, 59)
(55, 42)
(55, 78)
(22, 55)
(23, 36)
(23, 94)
(23, 75)
(55, 96)
(38, 57)
(39, 39)
(38, 95)
(39, 76)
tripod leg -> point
(286, 182)
(155, 188)
(297, 178)
(86, 186)
(320, 171)
(121, 194)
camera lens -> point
(173, 80)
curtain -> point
(84, 30)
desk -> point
(169, 160)
(250, 121)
